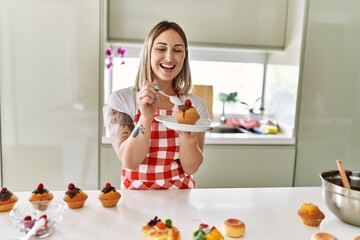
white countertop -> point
(240, 138)
(284, 137)
(269, 213)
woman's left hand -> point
(187, 136)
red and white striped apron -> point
(161, 168)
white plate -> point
(201, 125)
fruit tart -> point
(75, 197)
(206, 233)
(187, 114)
(159, 230)
(7, 200)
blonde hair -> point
(182, 82)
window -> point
(227, 71)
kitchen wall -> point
(49, 93)
(329, 96)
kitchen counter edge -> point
(239, 139)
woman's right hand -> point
(147, 99)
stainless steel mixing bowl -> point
(343, 202)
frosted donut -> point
(233, 228)
(322, 236)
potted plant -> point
(233, 97)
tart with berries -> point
(75, 197)
(187, 114)
(7, 200)
(159, 230)
(40, 197)
(108, 196)
(206, 233)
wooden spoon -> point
(344, 179)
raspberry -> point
(40, 186)
(188, 102)
(4, 189)
(27, 218)
(43, 216)
(107, 185)
(203, 225)
(71, 186)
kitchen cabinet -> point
(329, 107)
(234, 23)
(233, 166)
(110, 166)
(49, 93)
(226, 166)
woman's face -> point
(167, 55)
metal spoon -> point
(174, 99)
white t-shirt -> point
(124, 100)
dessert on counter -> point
(322, 236)
(40, 197)
(108, 196)
(7, 200)
(310, 214)
(157, 230)
(206, 233)
(234, 228)
(75, 197)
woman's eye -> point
(161, 49)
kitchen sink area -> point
(228, 129)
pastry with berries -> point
(206, 233)
(108, 196)
(7, 200)
(187, 113)
(75, 197)
(40, 197)
(159, 230)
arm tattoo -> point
(120, 126)
(138, 130)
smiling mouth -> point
(170, 67)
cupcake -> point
(40, 197)
(187, 114)
(75, 197)
(108, 196)
(7, 200)
(310, 214)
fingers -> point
(148, 93)
(184, 133)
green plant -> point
(233, 97)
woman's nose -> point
(168, 56)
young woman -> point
(153, 156)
